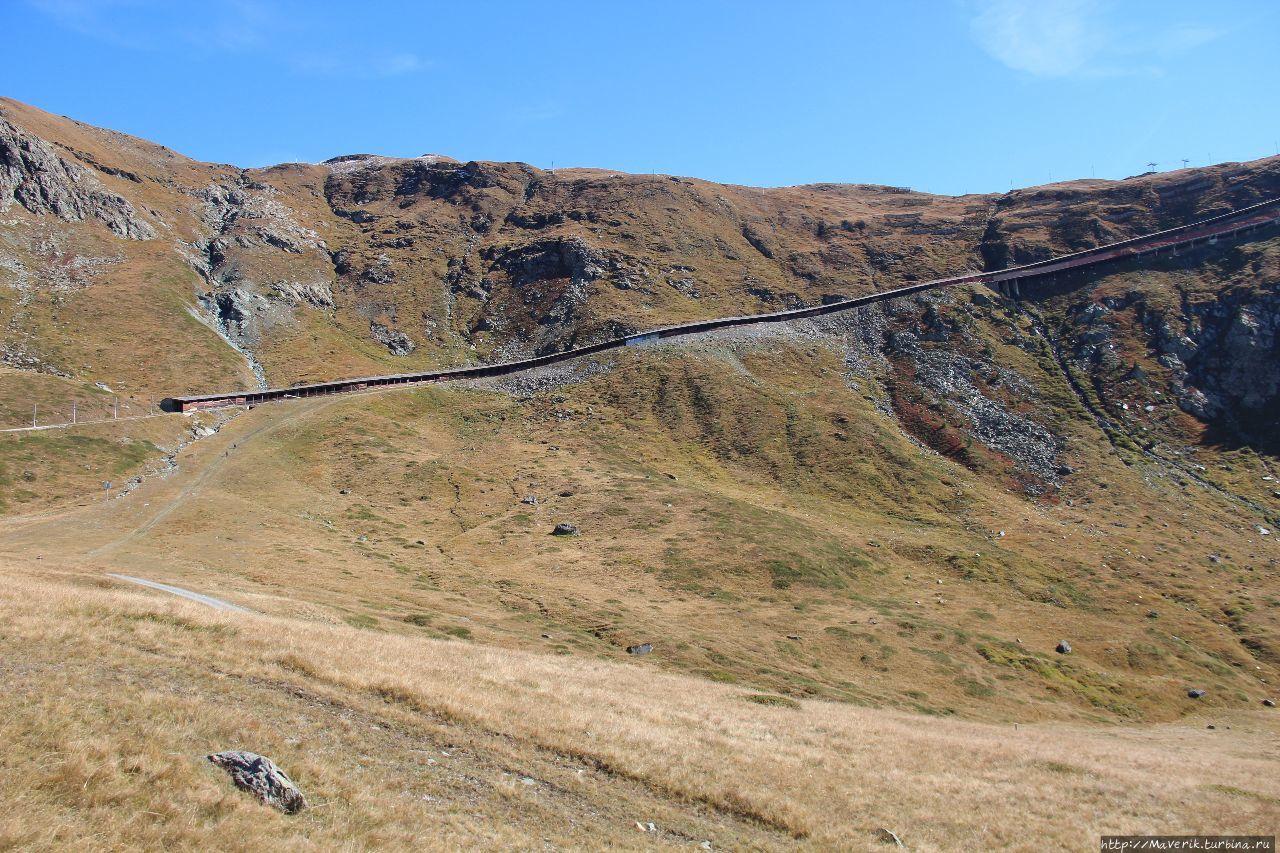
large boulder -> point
(260, 776)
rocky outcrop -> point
(259, 776)
(1226, 367)
(35, 176)
(250, 214)
(396, 341)
(317, 294)
(257, 260)
(540, 289)
(238, 312)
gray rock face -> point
(248, 230)
(1221, 354)
(1064, 648)
(1232, 371)
(317, 294)
(565, 529)
(380, 271)
(247, 214)
(260, 776)
(36, 177)
(396, 341)
(237, 312)
(642, 649)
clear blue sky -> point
(948, 96)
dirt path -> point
(216, 603)
(209, 470)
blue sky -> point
(947, 96)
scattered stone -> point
(1152, 614)
(1211, 726)
(546, 636)
(531, 500)
(1262, 531)
(706, 845)
(566, 494)
(1214, 558)
(260, 776)
(793, 636)
(565, 529)
(1064, 648)
(528, 781)
(1195, 694)
(671, 477)
(888, 836)
(344, 491)
(642, 649)
(1270, 703)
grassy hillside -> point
(742, 508)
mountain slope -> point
(371, 264)
(907, 506)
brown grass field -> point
(111, 697)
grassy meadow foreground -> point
(112, 697)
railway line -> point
(1226, 226)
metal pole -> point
(73, 411)
(115, 408)
(35, 412)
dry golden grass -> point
(111, 698)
